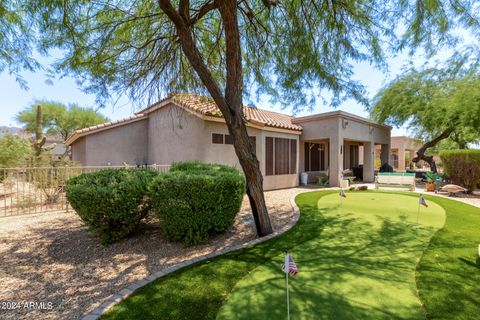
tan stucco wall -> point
(114, 146)
(359, 131)
(79, 151)
(402, 142)
(175, 135)
(178, 135)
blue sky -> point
(14, 99)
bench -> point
(391, 179)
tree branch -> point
(195, 58)
(234, 84)
(269, 3)
(184, 10)
(429, 159)
(206, 8)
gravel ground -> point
(50, 260)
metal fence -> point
(42, 189)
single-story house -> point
(190, 127)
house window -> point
(217, 138)
(228, 139)
(280, 156)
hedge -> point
(111, 202)
(195, 201)
(195, 166)
(462, 167)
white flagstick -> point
(341, 204)
(340, 209)
(287, 268)
(418, 212)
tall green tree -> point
(58, 118)
(435, 105)
(15, 150)
(289, 50)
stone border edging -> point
(127, 291)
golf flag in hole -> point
(342, 193)
(422, 201)
(289, 266)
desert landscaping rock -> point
(51, 257)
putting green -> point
(361, 266)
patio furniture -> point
(399, 179)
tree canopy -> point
(434, 104)
(58, 118)
(15, 150)
(288, 49)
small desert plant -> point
(323, 182)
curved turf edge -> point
(198, 291)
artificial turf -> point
(361, 266)
(448, 275)
(355, 262)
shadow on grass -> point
(349, 270)
(329, 251)
(447, 277)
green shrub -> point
(462, 167)
(195, 166)
(111, 202)
(195, 201)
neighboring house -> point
(189, 127)
(402, 150)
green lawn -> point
(357, 262)
(361, 266)
(448, 276)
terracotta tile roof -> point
(206, 106)
(202, 105)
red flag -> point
(291, 266)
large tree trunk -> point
(230, 103)
(429, 159)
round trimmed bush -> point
(111, 202)
(195, 203)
